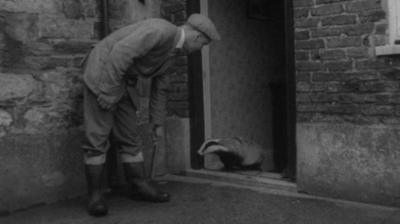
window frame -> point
(393, 18)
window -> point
(394, 21)
(393, 46)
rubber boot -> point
(142, 189)
(96, 204)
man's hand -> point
(106, 102)
(157, 131)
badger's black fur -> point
(234, 162)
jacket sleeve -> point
(158, 99)
(122, 55)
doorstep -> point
(265, 186)
(270, 181)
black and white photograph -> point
(199, 111)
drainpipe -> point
(105, 25)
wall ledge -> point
(387, 50)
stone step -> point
(267, 180)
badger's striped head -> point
(211, 146)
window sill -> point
(387, 50)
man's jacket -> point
(142, 49)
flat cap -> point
(204, 25)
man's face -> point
(195, 42)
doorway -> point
(243, 86)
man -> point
(143, 49)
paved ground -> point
(198, 203)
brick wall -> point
(178, 104)
(339, 79)
(348, 101)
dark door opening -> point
(281, 87)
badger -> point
(235, 153)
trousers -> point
(102, 126)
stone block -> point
(16, 86)
(317, 98)
(329, 1)
(133, 11)
(363, 5)
(61, 85)
(39, 48)
(379, 86)
(380, 40)
(392, 74)
(324, 10)
(344, 76)
(19, 26)
(302, 35)
(35, 6)
(79, 9)
(302, 55)
(303, 76)
(46, 119)
(306, 23)
(378, 110)
(358, 52)
(372, 16)
(345, 161)
(72, 46)
(332, 54)
(339, 66)
(43, 168)
(351, 30)
(381, 28)
(301, 13)
(35, 119)
(51, 26)
(316, 54)
(12, 52)
(339, 20)
(303, 3)
(5, 122)
(5, 118)
(303, 86)
(309, 44)
(309, 66)
(371, 65)
(337, 42)
(48, 62)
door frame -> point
(196, 99)
(200, 101)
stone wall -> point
(347, 101)
(41, 46)
(42, 43)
